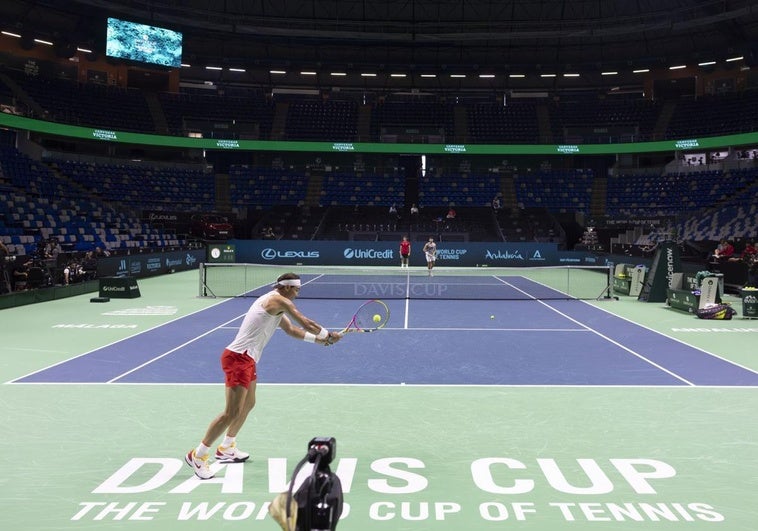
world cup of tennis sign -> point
(402, 489)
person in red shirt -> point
(405, 251)
(724, 251)
(748, 254)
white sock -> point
(201, 450)
(228, 441)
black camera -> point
(317, 504)
(325, 447)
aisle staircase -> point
(156, 112)
(279, 123)
(460, 120)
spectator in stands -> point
(414, 211)
(451, 213)
(101, 253)
(89, 265)
(496, 202)
(748, 254)
(43, 251)
(20, 275)
(394, 216)
(73, 273)
(752, 271)
(5, 283)
(268, 233)
(53, 247)
(724, 251)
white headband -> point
(290, 282)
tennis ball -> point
(492, 316)
(377, 318)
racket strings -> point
(364, 318)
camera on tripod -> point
(317, 504)
(322, 450)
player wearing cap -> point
(238, 361)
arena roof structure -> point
(489, 44)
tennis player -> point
(405, 251)
(430, 251)
(238, 361)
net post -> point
(607, 293)
(203, 289)
(201, 276)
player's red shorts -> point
(238, 368)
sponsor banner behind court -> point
(150, 264)
(359, 253)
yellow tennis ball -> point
(492, 316)
(377, 318)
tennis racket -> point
(364, 319)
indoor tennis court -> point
(473, 409)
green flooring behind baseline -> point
(92, 457)
(411, 458)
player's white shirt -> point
(256, 329)
(430, 249)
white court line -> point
(407, 300)
(117, 341)
(441, 386)
(148, 362)
(718, 357)
(219, 327)
(630, 351)
(455, 329)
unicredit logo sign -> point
(367, 253)
(270, 254)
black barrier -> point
(665, 263)
(149, 264)
(33, 296)
(119, 287)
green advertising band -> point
(73, 131)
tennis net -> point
(381, 282)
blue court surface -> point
(435, 342)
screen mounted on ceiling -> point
(143, 43)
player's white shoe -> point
(231, 454)
(199, 465)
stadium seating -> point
(263, 188)
(335, 120)
(142, 187)
(88, 104)
(495, 123)
(194, 111)
(714, 115)
(458, 189)
(735, 214)
(555, 190)
(38, 203)
(43, 198)
(670, 194)
(362, 190)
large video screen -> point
(143, 43)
